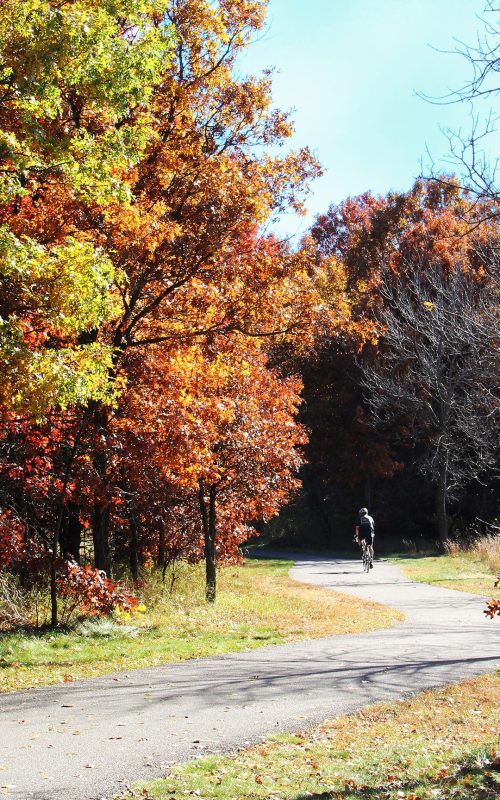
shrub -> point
(89, 592)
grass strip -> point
(464, 571)
(438, 745)
(257, 604)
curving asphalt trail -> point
(87, 740)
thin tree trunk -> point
(134, 548)
(208, 520)
(210, 560)
(100, 537)
(441, 511)
(100, 520)
(54, 619)
(161, 550)
(57, 530)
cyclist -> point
(365, 532)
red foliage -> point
(82, 589)
(89, 591)
(431, 227)
(11, 539)
(492, 609)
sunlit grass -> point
(465, 571)
(439, 745)
(257, 604)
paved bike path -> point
(89, 739)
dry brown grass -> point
(484, 548)
(487, 548)
(452, 548)
(259, 595)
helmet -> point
(363, 511)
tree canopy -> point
(171, 368)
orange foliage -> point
(201, 290)
(212, 414)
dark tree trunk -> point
(161, 550)
(210, 559)
(441, 511)
(134, 548)
(208, 519)
(70, 540)
(100, 536)
(54, 621)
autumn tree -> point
(152, 170)
(148, 160)
(71, 80)
(40, 530)
(207, 442)
(190, 247)
(254, 451)
(74, 83)
(436, 372)
(352, 460)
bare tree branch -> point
(467, 152)
(436, 375)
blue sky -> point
(351, 70)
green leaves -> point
(36, 379)
(63, 291)
(65, 287)
(74, 80)
(70, 80)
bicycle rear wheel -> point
(366, 560)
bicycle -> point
(366, 555)
(366, 558)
